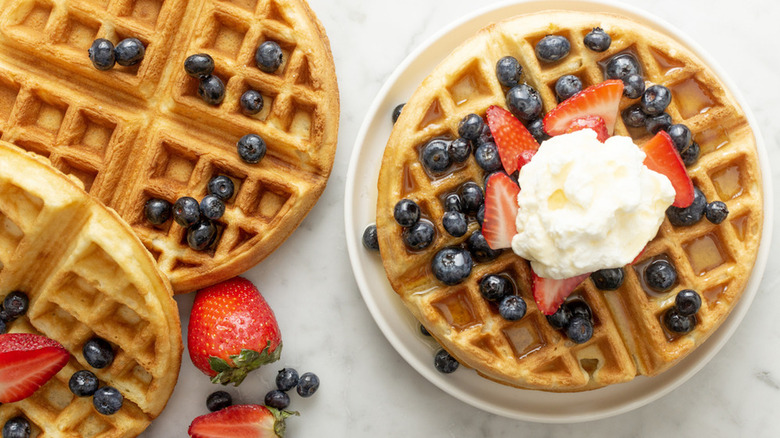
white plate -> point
(400, 327)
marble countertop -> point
(368, 389)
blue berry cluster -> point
(575, 318)
(107, 400)
(715, 211)
(128, 52)
(14, 305)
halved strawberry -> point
(595, 123)
(500, 211)
(27, 362)
(240, 421)
(515, 144)
(601, 100)
(662, 157)
(550, 293)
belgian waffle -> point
(629, 337)
(86, 274)
(141, 132)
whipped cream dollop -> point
(585, 205)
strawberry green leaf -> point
(279, 417)
(243, 363)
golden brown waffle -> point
(135, 133)
(629, 338)
(86, 274)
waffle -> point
(86, 274)
(629, 338)
(135, 133)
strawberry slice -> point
(595, 123)
(241, 421)
(500, 211)
(549, 294)
(515, 144)
(597, 100)
(662, 157)
(27, 362)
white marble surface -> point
(367, 389)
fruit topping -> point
(201, 235)
(198, 65)
(232, 331)
(608, 279)
(575, 318)
(512, 308)
(251, 102)
(17, 427)
(662, 157)
(678, 323)
(536, 128)
(508, 71)
(212, 207)
(452, 202)
(307, 384)
(560, 319)
(595, 123)
(687, 302)
(370, 238)
(480, 249)
(420, 235)
(218, 400)
(241, 421)
(424, 331)
(471, 197)
(661, 122)
(655, 100)
(579, 330)
(622, 66)
(98, 353)
(487, 157)
(681, 136)
(452, 265)
(687, 216)
(251, 148)
(550, 293)
(716, 212)
(286, 379)
(27, 362)
(222, 187)
(454, 223)
(481, 215)
(102, 55)
(269, 56)
(552, 48)
(15, 304)
(397, 112)
(107, 400)
(597, 40)
(601, 100)
(567, 86)
(435, 155)
(211, 89)
(634, 117)
(500, 211)
(660, 275)
(470, 127)
(459, 150)
(495, 288)
(129, 51)
(691, 154)
(186, 211)
(157, 211)
(515, 144)
(406, 212)
(444, 362)
(524, 102)
(633, 86)
(276, 399)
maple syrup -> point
(692, 98)
(524, 339)
(457, 310)
(705, 253)
(727, 182)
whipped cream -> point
(585, 205)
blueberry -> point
(435, 156)
(269, 56)
(471, 197)
(579, 330)
(452, 265)
(454, 223)
(536, 128)
(17, 427)
(621, 66)
(681, 136)
(308, 384)
(459, 150)
(487, 157)
(211, 207)
(277, 399)
(597, 40)
(424, 331)
(199, 65)
(560, 319)
(420, 235)
(690, 154)
(251, 102)
(83, 383)
(481, 214)
(98, 353)
(683, 217)
(480, 249)
(552, 48)
(3, 326)
(406, 212)
(494, 287)
(579, 308)
(218, 400)
(687, 302)
(129, 51)
(508, 71)
(251, 148)
(211, 89)
(286, 379)
(222, 187)
(567, 86)
(485, 136)
(444, 362)
(16, 304)
(655, 100)
(660, 275)
(715, 212)
(633, 86)
(201, 235)
(524, 102)
(107, 400)
(634, 117)
(661, 122)
(470, 127)
(397, 112)
(370, 238)
(101, 53)
(452, 203)
(608, 279)
(512, 308)
(157, 211)
(678, 323)
(186, 211)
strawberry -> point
(500, 211)
(232, 331)
(515, 144)
(597, 100)
(240, 421)
(27, 362)
(595, 123)
(550, 293)
(662, 157)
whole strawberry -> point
(27, 362)
(232, 331)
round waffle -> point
(629, 338)
(141, 132)
(86, 274)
